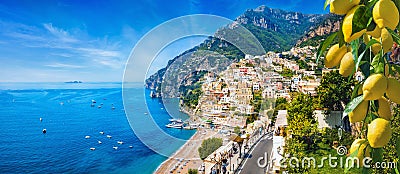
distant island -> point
(74, 82)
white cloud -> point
(99, 52)
(61, 34)
(62, 65)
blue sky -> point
(44, 41)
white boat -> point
(174, 125)
(44, 131)
(145, 113)
(109, 136)
(99, 106)
(120, 142)
(101, 132)
(87, 136)
(93, 101)
(175, 120)
(130, 146)
(99, 142)
(194, 125)
(115, 147)
(92, 148)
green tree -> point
(280, 104)
(192, 171)
(286, 72)
(303, 127)
(301, 121)
(208, 146)
(334, 92)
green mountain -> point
(276, 30)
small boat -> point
(101, 132)
(109, 136)
(61, 103)
(174, 125)
(175, 120)
(115, 147)
(120, 142)
(130, 146)
(145, 113)
(99, 106)
(113, 108)
(162, 108)
(92, 105)
(93, 101)
(44, 131)
(99, 142)
(41, 119)
(87, 136)
(92, 148)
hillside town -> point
(248, 89)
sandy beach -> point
(186, 157)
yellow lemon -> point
(347, 27)
(393, 90)
(347, 65)
(363, 150)
(359, 113)
(375, 33)
(384, 109)
(374, 87)
(341, 7)
(334, 55)
(387, 42)
(379, 132)
(385, 14)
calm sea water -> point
(68, 118)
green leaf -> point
(371, 25)
(376, 60)
(355, 91)
(377, 155)
(327, 2)
(371, 4)
(352, 155)
(360, 19)
(395, 36)
(324, 45)
(352, 105)
(358, 59)
(365, 68)
(366, 170)
(354, 48)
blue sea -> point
(68, 117)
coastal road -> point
(250, 165)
